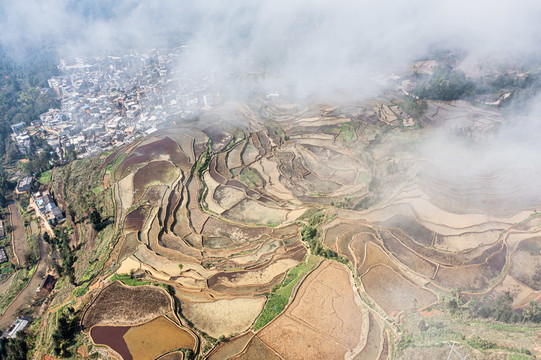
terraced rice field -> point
(215, 211)
(143, 342)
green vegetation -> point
(203, 162)
(19, 282)
(21, 99)
(445, 84)
(281, 293)
(250, 178)
(14, 349)
(348, 132)
(45, 177)
(80, 291)
(500, 309)
(310, 235)
(110, 169)
(415, 108)
(64, 335)
(61, 242)
(98, 189)
(129, 280)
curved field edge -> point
(281, 295)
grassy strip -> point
(128, 280)
(281, 293)
(111, 167)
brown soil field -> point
(408, 257)
(324, 320)
(294, 340)
(221, 165)
(178, 244)
(125, 189)
(156, 337)
(393, 292)
(257, 349)
(209, 199)
(214, 172)
(119, 304)
(164, 149)
(326, 301)
(219, 137)
(374, 255)
(526, 267)
(357, 246)
(409, 225)
(266, 248)
(153, 194)
(181, 225)
(437, 256)
(129, 245)
(154, 173)
(158, 262)
(254, 277)
(333, 232)
(231, 348)
(373, 341)
(223, 317)
(177, 355)
(234, 159)
(239, 234)
(135, 220)
(521, 293)
(474, 277)
(112, 336)
(250, 154)
(465, 241)
(227, 196)
(248, 211)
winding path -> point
(18, 238)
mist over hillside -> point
(283, 179)
(316, 50)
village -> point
(111, 100)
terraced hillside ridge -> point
(282, 231)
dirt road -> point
(18, 236)
(25, 297)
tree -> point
(95, 219)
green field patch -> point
(111, 167)
(128, 280)
(281, 293)
(98, 189)
(363, 177)
(45, 177)
(250, 178)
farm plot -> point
(323, 322)
(143, 342)
(526, 264)
(231, 348)
(249, 211)
(393, 292)
(164, 149)
(154, 338)
(264, 275)
(119, 304)
(473, 277)
(223, 317)
(154, 173)
(257, 349)
(374, 340)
